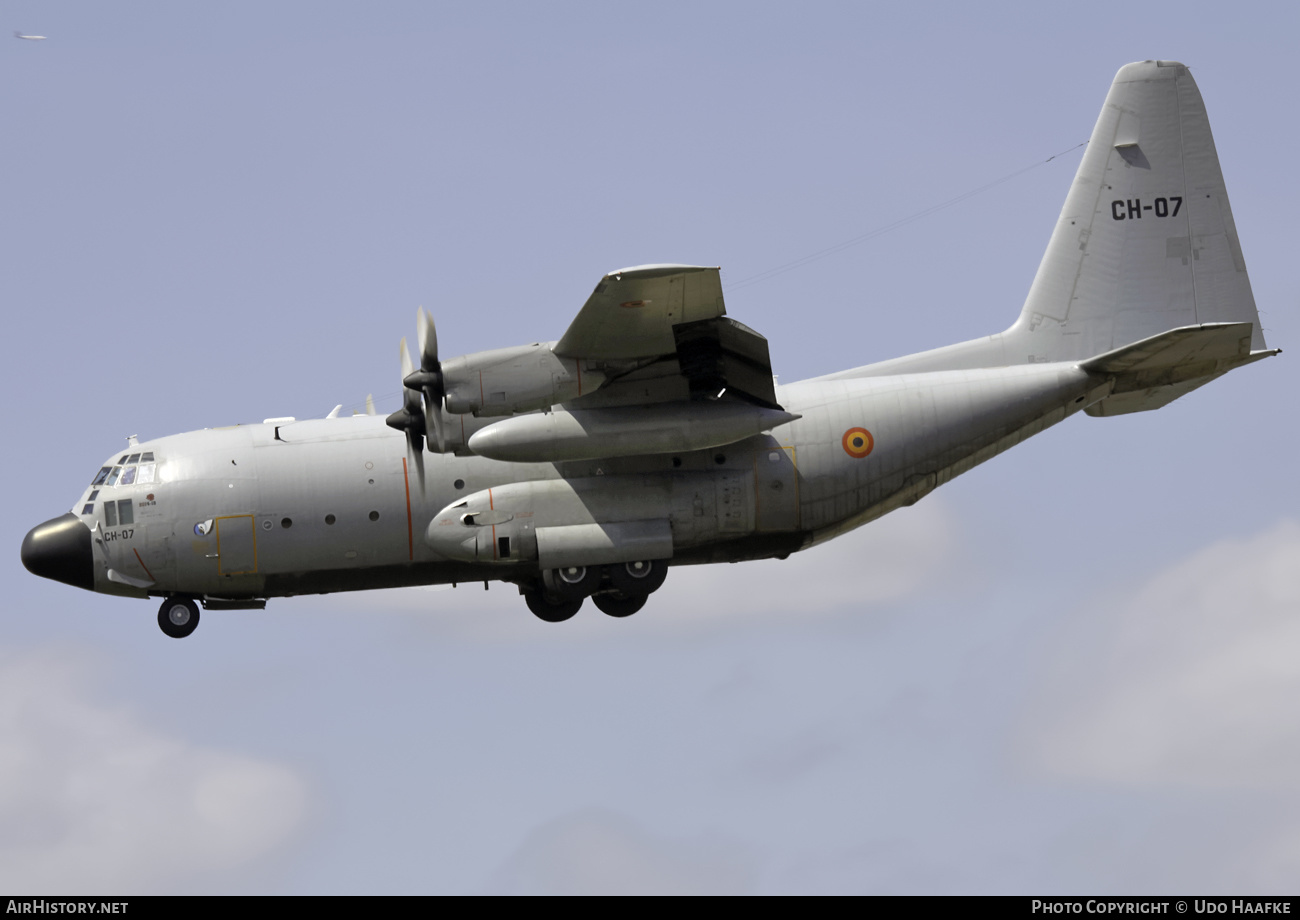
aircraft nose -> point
(60, 549)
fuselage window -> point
(110, 514)
(146, 474)
(112, 477)
(128, 477)
(125, 512)
(103, 474)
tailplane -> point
(1157, 370)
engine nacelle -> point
(504, 381)
(599, 520)
(556, 523)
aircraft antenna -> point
(888, 228)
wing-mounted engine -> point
(506, 381)
(650, 365)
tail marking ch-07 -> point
(651, 434)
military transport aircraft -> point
(651, 434)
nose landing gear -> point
(178, 617)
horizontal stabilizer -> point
(1157, 370)
(1182, 347)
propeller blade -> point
(408, 366)
(433, 423)
(409, 418)
(428, 379)
(427, 335)
(417, 460)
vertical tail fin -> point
(1146, 242)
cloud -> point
(596, 851)
(1190, 680)
(91, 800)
(881, 563)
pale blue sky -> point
(1059, 673)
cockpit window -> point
(121, 459)
(146, 474)
(128, 477)
(112, 477)
(103, 474)
(134, 458)
(146, 457)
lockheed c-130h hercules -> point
(651, 434)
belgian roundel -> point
(857, 442)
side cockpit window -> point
(119, 512)
(103, 474)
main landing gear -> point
(178, 617)
(617, 590)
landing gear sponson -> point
(617, 590)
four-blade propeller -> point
(428, 379)
(423, 391)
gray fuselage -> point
(341, 504)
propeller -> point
(428, 379)
(410, 418)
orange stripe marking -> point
(142, 565)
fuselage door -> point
(776, 487)
(236, 545)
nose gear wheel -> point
(178, 617)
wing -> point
(662, 333)
(632, 312)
